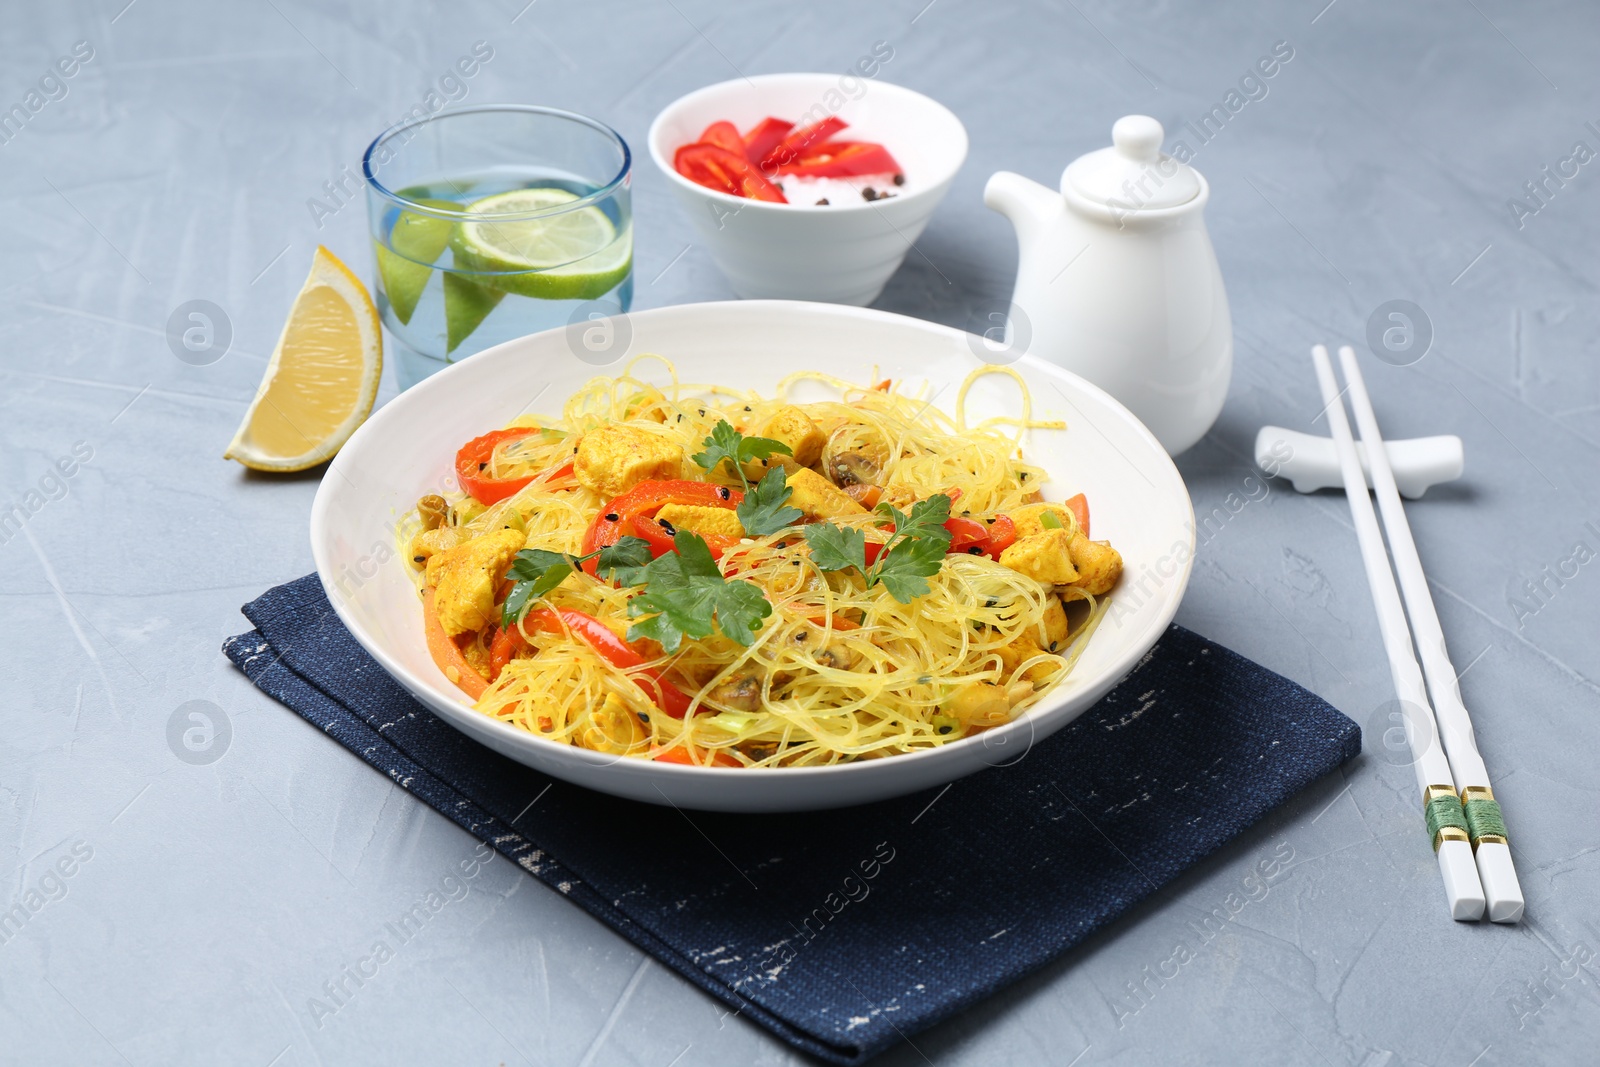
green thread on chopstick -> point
(1484, 819)
(1444, 813)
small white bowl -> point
(842, 253)
(406, 449)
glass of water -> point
(493, 222)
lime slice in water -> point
(572, 255)
(406, 264)
(466, 305)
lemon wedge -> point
(323, 377)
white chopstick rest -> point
(1442, 810)
(1485, 826)
(1312, 463)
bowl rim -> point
(624, 767)
(936, 186)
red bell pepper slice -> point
(446, 653)
(987, 538)
(1079, 506)
(763, 137)
(719, 169)
(474, 458)
(613, 649)
(842, 159)
(966, 533)
(1002, 535)
(619, 518)
(682, 754)
(795, 143)
(724, 135)
(865, 495)
(661, 541)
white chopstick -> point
(1442, 809)
(1485, 828)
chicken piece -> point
(465, 578)
(1029, 521)
(981, 705)
(1024, 648)
(430, 543)
(613, 728)
(794, 428)
(1045, 557)
(704, 521)
(1055, 626)
(819, 498)
(613, 459)
(1097, 563)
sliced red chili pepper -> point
(724, 135)
(719, 169)
(618, 518)
(473, 459)
(613, 649)
(763, 137)
(795, 143)
(842, 159)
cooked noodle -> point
(837, 672)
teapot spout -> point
(1030, 206)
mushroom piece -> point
(740, 691)
(854, 455)
(810, 639)
(433, 511)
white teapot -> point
(1118, 281)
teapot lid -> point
(1132, 174)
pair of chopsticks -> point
(1458, 802)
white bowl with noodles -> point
(406, 449)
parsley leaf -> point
(837, 548)
(536, 572)
(927, 518)
(529, 564)
(685, 595)
(914, 552)
(904, 570)
(764, 509)
(726, 443)
(625, 561)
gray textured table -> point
(208, 903)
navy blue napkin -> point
(843, 932)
